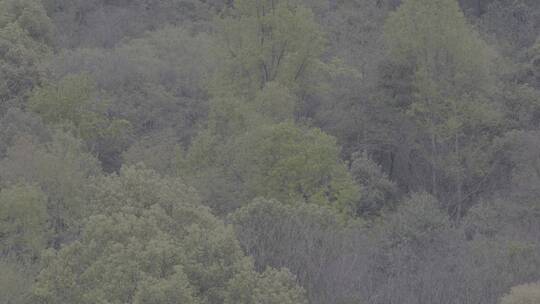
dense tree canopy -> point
(24, 221)
(266, 41)
(269, 151)
(149, 240)
(25, 41)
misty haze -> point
(269, 151)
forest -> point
(269, 151)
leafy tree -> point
(511, 25)
(151, 240)
(292, 164)
(158, 151)
(206, 167)
(103, 24)
(416, 249)
(162, 83)
(267, 41)
(15, 282)
(74, 103)
(61, 169)
(312, 128)
(17, 123)
(23, 222)
(355, 30)
(517, 172)
(452, 80)
(312, 241)
(419, 219)
(521, 108)
(155, 82)
(25, 37)
(348, 110)
(377, 192)
(30, 16)
(233, 116)
(272, 287)
(510, 205)
(275, 103)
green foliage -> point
(155, 82)
(227, 97)
(282, 161)
(418, 222)
(505, 260)
(158, 151)
(76, 105)
(262, 227)
(23, 222)
(523, 294)
(377, 192)
(160, 81)
(69, 101)
(451, 89)
(16, 123)
(275, 103)
(266, 41)
(450, 61)
(15, 282)
(417, 248)
(148, 240)
(293, 164)
(174, 289)
(270, 287)
(511, 25)
(521, 106)
(232, 116)
(75, 101)
(25, 34)
(431, 30)
(30, 16)
(301, 237)
(105, 23)
(61, 169)
(513, 207)
(519, 165)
